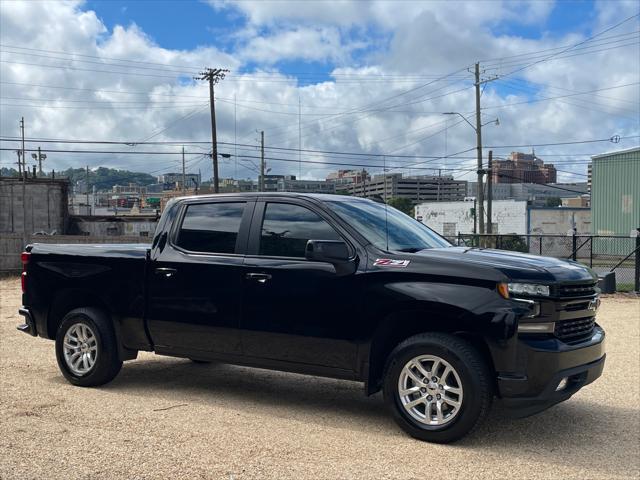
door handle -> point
(166, 272)
(258, 277)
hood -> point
(497, 265)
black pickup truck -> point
(325, 285)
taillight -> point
(24, 257)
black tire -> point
(472, 370)
(107, 363)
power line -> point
(561, 96)
(499, 60)
(295, 150)
(572, 46)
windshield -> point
(370, 219)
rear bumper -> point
(546, 364)
(29, 325)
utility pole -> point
(299, 139)
(235, 134)
(261, 161)
(479, 148)
(489, 192)
(184, 174)
(19, 152)
(87, 180)
(213, 76)
(24, 160)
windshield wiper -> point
(411, 249)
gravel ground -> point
(168, 418)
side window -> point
(211, 227)
(286, 229)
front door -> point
(195, 280)
(296, 310)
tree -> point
(553, 202)
(405, 205)
(8, 172)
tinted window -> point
(286, 229)
(211, 227)
(385, 226)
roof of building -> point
(608, 154)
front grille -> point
(580, 290)
(573, 331)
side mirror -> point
(331, 251)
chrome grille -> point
(572, 331)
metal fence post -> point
(591, 252)
(574, 245)
(540, 245)
(637, 262)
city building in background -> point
(615, 192)
(289, 183)
(174, 180)
(415, 188)
(536, 194)
(523, 168)
(346, 177)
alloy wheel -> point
(80, 349)
(430, 390)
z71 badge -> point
(389, 262)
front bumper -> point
(29, 325)
(546, 363)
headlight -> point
(529, 289)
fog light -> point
(547, 327)
(563, 384)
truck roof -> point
(323, 197)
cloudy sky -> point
(367, 81)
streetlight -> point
(39, 157)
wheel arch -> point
(411, 320)
(72, 298)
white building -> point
(508, 216)
(451, 218)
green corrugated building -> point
(615, 192)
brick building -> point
(523, 168)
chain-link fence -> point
(602, 253)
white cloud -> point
(348, 113)
(310, 44)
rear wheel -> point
(437, 386)
(86, 348)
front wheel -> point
(437, 386)
(86, 348)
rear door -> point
(296, 310)
(195, 279)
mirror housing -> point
(331, 251)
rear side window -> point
(211, 227)
(286, 229)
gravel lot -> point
(168, 418)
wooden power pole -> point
(479, 153)
(489, 192)
(262, 161)
(184, 174)
(213, 76)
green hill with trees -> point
(103, 178)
